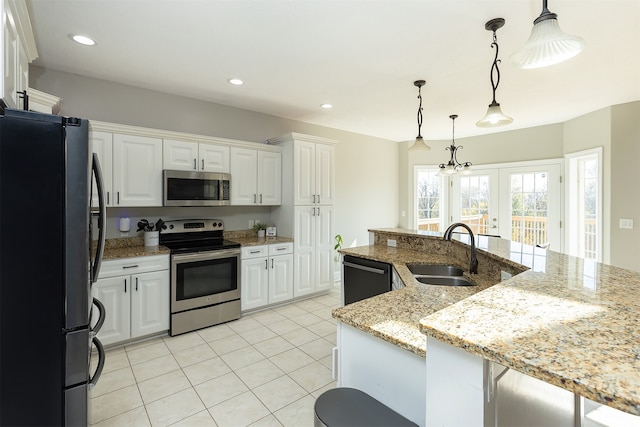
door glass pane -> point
(428, 203)
(474, 202)
(590, 198)
(529, 200)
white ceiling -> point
(362, 56)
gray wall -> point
(366, 167)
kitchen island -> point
(563, 320)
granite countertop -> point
(567, 321)
(395, 316)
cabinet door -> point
(280, 278)
(102, 143)
(324, 239)
(149, 303)
(213, 158)
(180, 155)
(255, 283)
(114, 293)
(269, 178)
(304, 250)
(137, 170)
(244, 168)
(304, 173)
(325, 174)
(10, 56)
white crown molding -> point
(293, 136)
(21, 18)
(50, 103)
(97, 125)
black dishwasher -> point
(364, 278)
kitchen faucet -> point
(473, 265)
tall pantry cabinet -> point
(306, 212)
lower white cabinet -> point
(135, 293)
(267, 275)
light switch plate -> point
(626, 223)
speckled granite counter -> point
(255, 240)
(129, 248)
(566, 321)
(395, 316)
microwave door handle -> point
(95, 270)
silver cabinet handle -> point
(261, 199)
(254, 198)
(313, 211)
(130, 266)
(195, 164)
(118, 194)
(136, 284)
(271, 263)
(255, 252)
(266, 264)
(318, 198)
(125, 286)
(281, 249)
(107, 197)
(202, 164)
(314, 198)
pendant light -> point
(547, 44)
(494, 116)
(419, 143)
(454, 166)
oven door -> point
(202, 279)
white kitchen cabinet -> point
(256, 177)
(102, 144)
(314, 170)
(135, 293)
(18, 50)
(267, 275)
(313, 249)
(193, 156)
(137, 170)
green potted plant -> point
(260, 228)
(337, 247)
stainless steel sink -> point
(434, 270)
(445, 281)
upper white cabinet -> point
(193, 156)
(18, 50)
(256, 177)
(102, 144)
(137, 170)
(314, 169)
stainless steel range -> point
(205, 274)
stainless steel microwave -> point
(186, 188)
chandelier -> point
(454, 166)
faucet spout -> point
(473, 264)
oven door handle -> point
(198, 256)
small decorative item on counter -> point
(271, 231)
(151, 237)
(260, 228)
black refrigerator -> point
(47, 265)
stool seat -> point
(348, 407)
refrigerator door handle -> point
(95, 270)
(100, 322)
(101, 358)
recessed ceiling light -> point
(85, 40)
(326, 106)
(236, 82)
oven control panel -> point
(193, 226)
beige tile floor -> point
(265, 369)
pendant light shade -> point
(547, 44)
(419, 143)
(494, 116)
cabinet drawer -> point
(280, 249)
(126, 266)
(249, 252)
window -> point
(430, 203)
(584, 222)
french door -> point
(520, 203)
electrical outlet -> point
(504, 276)
(391, 242)
(251, 223)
